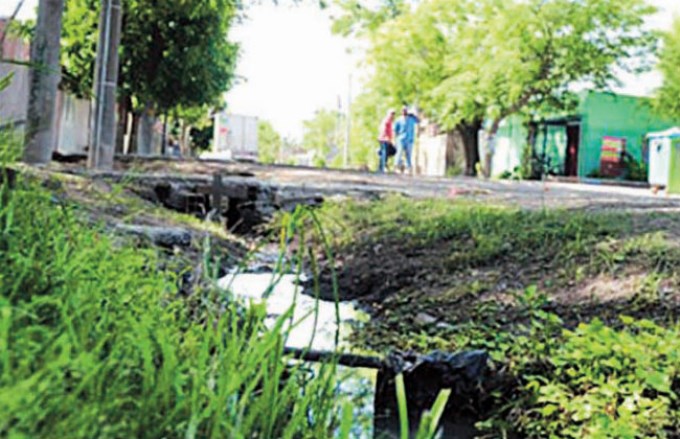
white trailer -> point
(235, 136)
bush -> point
(95, 343)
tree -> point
(410, 56)
(537, 50)
(173, 54)
(268, 142)
(44, 82)
(668, 96)
(413, 57)
(467, 61)
(323, 134)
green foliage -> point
(6, 80)
(483, 234)
(368, 110)
(667, 101)
(11, 145)
(202, 137)
(602, 382)
(466, 61)
(324, 134)
(268, 142)
(95, 342)
(360, 18)
(618, 379)
(79, 38)
(172, 53)
(635, 170)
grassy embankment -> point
(96, 342)
(579, 311)
(98, 338)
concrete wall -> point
(510, 141)
(14, 99)
(72, 124)
(72, 115)
(431, 155)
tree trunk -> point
(490, 146)
(45, 76)
(164, 138)
(469, 132)
(528, 162)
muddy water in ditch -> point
(316, 324)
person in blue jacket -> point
(405, 133)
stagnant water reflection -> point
(315, 327)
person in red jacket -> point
(386, 139)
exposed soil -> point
(409, 285)
(412, 288)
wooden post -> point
(217, 188)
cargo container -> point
(235, 136)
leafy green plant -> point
(94, 342)
(608, 383)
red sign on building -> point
(611, 163)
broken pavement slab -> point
(168, 237)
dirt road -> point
(528, 194)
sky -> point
(291, 65)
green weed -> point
(95, 343)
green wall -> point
(606, 114)
(510, 140)
(555, 147)
(602, 114)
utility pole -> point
(103, 118)
(45, 76)
(345, 158)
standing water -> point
(316, 323)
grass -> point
(94, 342)
(564, 365)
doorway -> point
(571, 158)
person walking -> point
(386, 139)
(405, 130)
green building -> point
(586, 143)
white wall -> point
(431, 155)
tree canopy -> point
(668, 96)
(324, 134)
(268, 142)
(173, 53)
(463, 61)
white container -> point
(659, 159)
(660, 156)
(235, 135)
